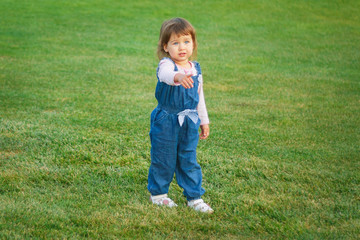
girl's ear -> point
(165, 48)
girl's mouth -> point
(182, 54)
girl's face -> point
(180, 48)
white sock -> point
(156, 197)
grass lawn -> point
(282, 87)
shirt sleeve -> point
(166, 72)
(201, 108)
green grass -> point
(282, 86)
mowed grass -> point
(282, 86)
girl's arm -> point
(167, 75)
(166, 72)
(201, 108)
(203, 115)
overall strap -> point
(197, 67)
(175, 67)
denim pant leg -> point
(163, 156)
(188, 171)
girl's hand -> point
(184, 80)
(205, 131)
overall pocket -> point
(158, 116)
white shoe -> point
(162, 200)
(200, 205)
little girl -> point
(175, 121)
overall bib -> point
(174, 136)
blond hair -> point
(179, 26)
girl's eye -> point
(175, 43)
(187, 42)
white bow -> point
(192, 114)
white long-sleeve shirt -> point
(167, 74)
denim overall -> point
(174, 136)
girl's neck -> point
(184, 65)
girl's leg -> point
(161, 172)
(163, 156)
(188, 171)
